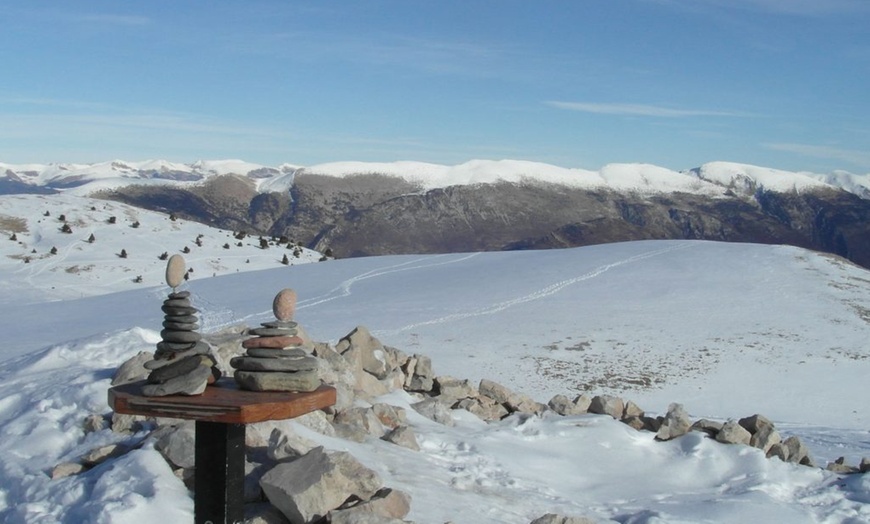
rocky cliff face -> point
(376, 215)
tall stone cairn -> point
(182, 364)
(274, 358)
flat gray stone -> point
(181, 319)
(175, 346)
(280, 324)
(177, 302)
(172, 310)
(165, 357)
(179, 326)
(276, 353)
(193, 383)
(272, 332)
(274, 364)
(275, 381)
(180, 336)
(177, 368)
(180, 294)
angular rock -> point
(66, 469)
(403, 436)
(272, 381)
(193, 383)
(387, 503)
(363, 418)
(274, 364)
(423, 377)
(764, 437)
(840, 466)
(308, 488)
(122, 423)
(484, 408)
(675, 424)
(864, 466)
(285, 443)
(755, 423)
(779, 451)
(582, 401)
(390, 416)
(94, 423)
(452, 390)
(637, 423)
(132, 369)
(351, 516)
(562, 405)
(733, 433)
(632, 410)
(101, 454)
(177, 445)
(797, 451)
(710, 427)
(434, 410)
(607, 405)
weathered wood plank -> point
(221, 402)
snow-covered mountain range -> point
(709, 179)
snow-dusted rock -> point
(733, 433)
(675, 424)
(403, 436)
(316, 483)
(433, 409)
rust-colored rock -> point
(284, 305)
(272, 342)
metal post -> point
(218, 496)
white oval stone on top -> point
(175, 271)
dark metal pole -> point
(218, 496)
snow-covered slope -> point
(726, 329)
(79, 267)
(710, 179)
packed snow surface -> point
(727, 330)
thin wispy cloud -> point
(791, 7)
(638, 110)
(854, 157)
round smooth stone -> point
(175, 271)
(178, 368)
(284, 304)
(272, 332)
(272, 342)
(274, 364)
(179, 294)
(270, 381)
(280, 324)
(180, 336)
(276, 353)
(179, 326)
(170, 310)
(181, 319)
(177, 302)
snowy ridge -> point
(710, 179)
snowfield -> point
(727, 330)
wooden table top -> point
(221, 402)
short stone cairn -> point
(182, 364)
(274, 358)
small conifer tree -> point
(285, 260)
(163, 256)
(91, 239)
(123, 253)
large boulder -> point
(607, 405)
(452, 390)
(512, 401)
(365, 352)
(311, 486)
(387, 503)
(433, 409)
(733, 433)
(133, 369)
(177, 445)
(675, 424)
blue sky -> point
(582, 83)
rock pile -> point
(275, 360)
(182, 364)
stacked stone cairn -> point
(182, 364)
(275, 360)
